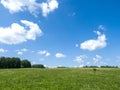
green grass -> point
(60, 79)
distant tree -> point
(62, 67)
(2, 62)
(90, 67)
(85, 66)
(7, 62)
(38, 66)
(16, 62)
(109, 66)
(94, 67)
(25, 64)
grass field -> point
(60, 79)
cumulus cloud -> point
(97, 58)
(80, 58)
(21, 51)
(16, 33)
(48, 7)
(24, 50)
(94, 44)
(60, 55)
(30, 5)
(3, 50)
(44, 52)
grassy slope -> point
(59, 79)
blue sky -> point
(61, 32)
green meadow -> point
(60, 79)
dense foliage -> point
(7, 62)
(100, 66)
(109, 66)
(38, 66)
(14, 62)
(25, 64)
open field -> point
(60, 79)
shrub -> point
(94, 69)
(38, 66)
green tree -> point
(8, 62)
(2, 62)
(16, 62)
(38, 66)
(25, 64)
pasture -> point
(60, 79)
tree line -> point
(106, 66)
(14, 62)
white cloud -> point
(3, 50)
(94, 44)
(16, 33)
(97, 58)
(48, 7)
(21, 5)
(101, 27)
(60, 55)
(30, 5)
(24, 50)
(12, 5)
(47, 54)
(88, 63)
(103, 63)
(21, 51)
(44, 52)
(80, 58)
(81, 65)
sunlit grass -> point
(60, 79)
